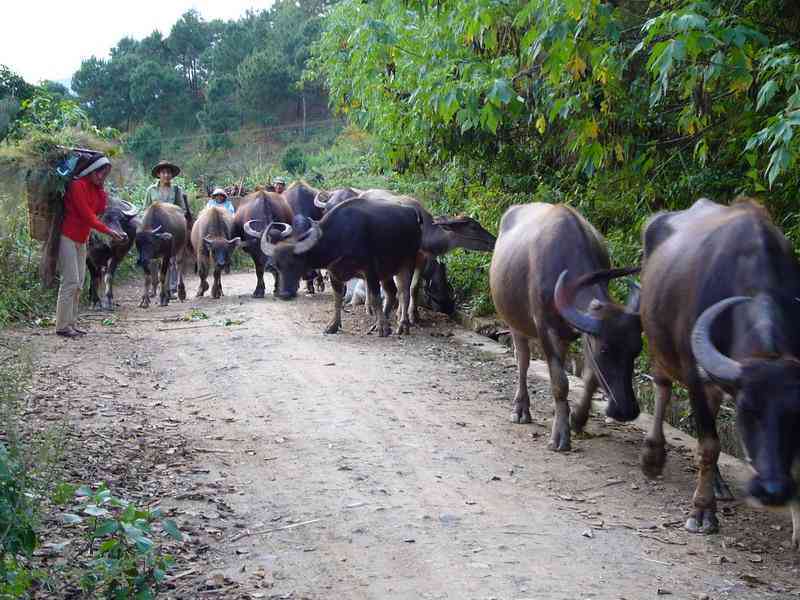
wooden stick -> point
(183, 328)
(659, 539)
(245, 534)
(214, 450)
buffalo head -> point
(289, 255)
(766, 387)
(151, 243)
(467, 233)
(117, 215)
(438, 291)
(612, 337)
(220, 249)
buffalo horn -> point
(248, 229)
(267, 247)
(716, 364)
(309, 240)
(236, 241)
(565, 305)
(208, 239)
(156, 230)
(319, 202)
(128, 209)
(286, 229)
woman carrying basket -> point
(84, 200)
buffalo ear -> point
(164, 237)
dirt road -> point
(349, 466)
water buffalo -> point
(162, 235)
(370, 238)
(440, 235)
(259, 209)
(300, 197)
(720, 289)
(549, 278)
(104, 255)
(214, 244)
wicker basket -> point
(41, 198)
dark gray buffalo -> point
(374, 239)
(162, 236)
(720, 289)
(254, 213)
(104, 255)
(549, 278)
(440, 235)
(301, 199)
(213, 243)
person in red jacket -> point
(84, 201)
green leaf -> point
(501, 92)
(95, 511)
(171, 529)
(766, 93)
(107, 528)
(71, 519)
(63, 493)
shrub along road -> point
(309, 466)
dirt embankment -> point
(348, 466)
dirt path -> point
(390, 464)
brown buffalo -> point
(720, 289)
(549, 278)
(213, 241)
(162, 235)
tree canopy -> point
(220, 75)
(625, 92)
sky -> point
(48, 39)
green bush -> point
(294, 160)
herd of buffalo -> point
(719, 297)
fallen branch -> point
(214, 450)
(658, 562)
(659, 539)
(245, 534)
(183, 328)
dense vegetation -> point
(223, 76)
(620, 108)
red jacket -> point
(82, 203)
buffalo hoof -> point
(405, 328)
(653, 457)
(703, 520)
(522, 413)
(216, 292)
(560, 438)
(258, 293)
(200, 293)
(333, 327)
(577, 420)
(182, 293)
(145, 303)
(164, 301)
(384, 330)
(320, 284)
